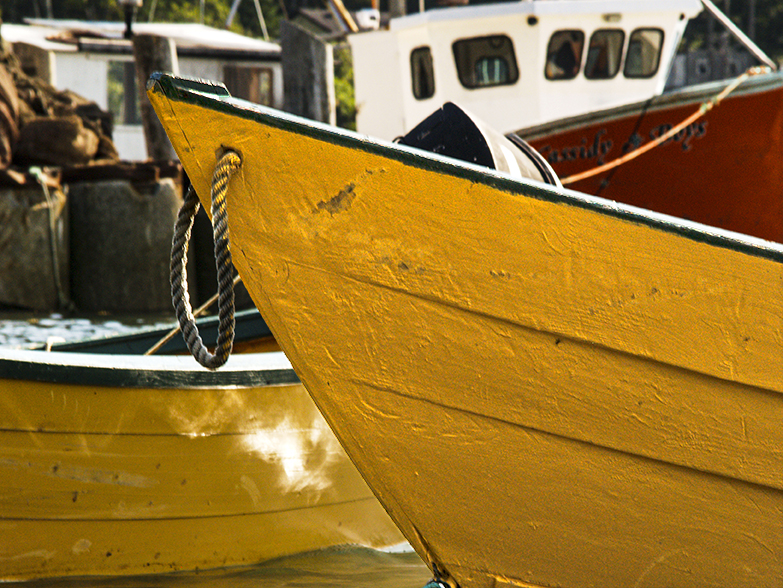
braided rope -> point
(180, 297)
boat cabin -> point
(94, 60)
(515, 64)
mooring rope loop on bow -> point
(228, 163)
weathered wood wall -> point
(34, 256)
(308, 74)
(152, 53)
(121, 243)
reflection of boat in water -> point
(543, 388)
(584, 83)
(121, 464)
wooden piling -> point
(121, 234)
(153, 53)
(308, 74)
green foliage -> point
(247, 21)
(768, 23)
(766, 32)
(343, 87)
(17, 10)
(215, 12)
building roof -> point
(75, 35)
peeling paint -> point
(98, 476)
(345, 197)
(38, 553)
(339, 203)
(252, 489)
(83, 474)
(81, 546)
(123, 511)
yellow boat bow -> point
(542, 388)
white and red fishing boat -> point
(585, 83)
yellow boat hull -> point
(542, 388)
(121, 465)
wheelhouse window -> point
(422, 73)
(604, 54)
(564, 55)
(491, 71)
(485, 61)
(644, 53)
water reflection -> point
(27, 329)
(304, 454)
(345, 567)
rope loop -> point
(228, 163)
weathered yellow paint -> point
(46, 548)
(107, 481)
(541, 392)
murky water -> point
(344, 567)
(24, 329)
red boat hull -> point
(725, 169)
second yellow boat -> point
(120, 464)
